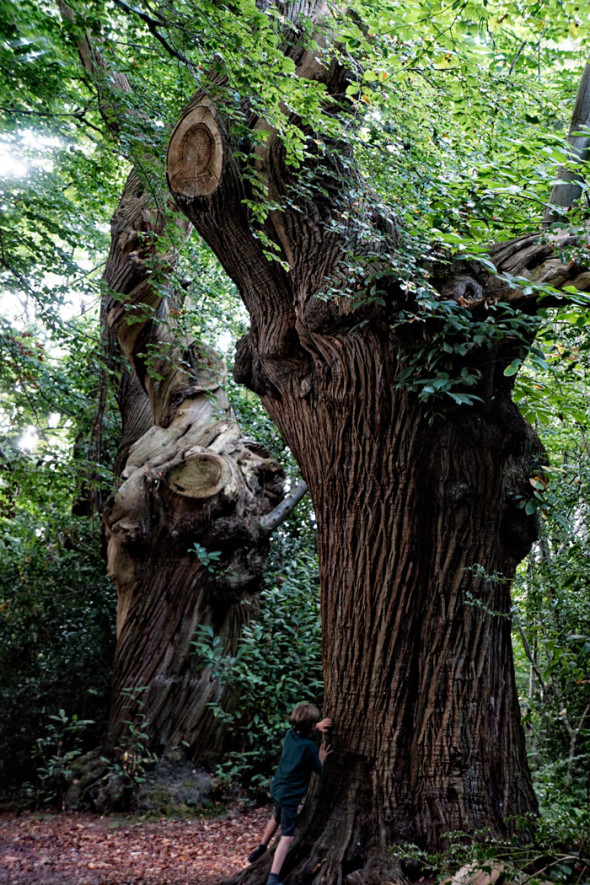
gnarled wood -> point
(188, 476)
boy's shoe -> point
(258, 852)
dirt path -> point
(84, 849)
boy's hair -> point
(304, 717)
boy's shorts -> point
(286, 816)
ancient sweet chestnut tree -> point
(187, 529)
(393, 391)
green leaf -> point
(513, 368)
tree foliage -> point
(57, 632)
(277, 664)
(552, 628)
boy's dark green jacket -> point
(298, 760)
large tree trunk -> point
(190, 479)
(187, 531)
(421, 511)
(419, 535)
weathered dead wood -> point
(190, 478)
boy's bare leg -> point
(281, 854)
(269, 831)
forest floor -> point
(86, 849)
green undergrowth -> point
(277, 665)
(210, 810)
(553, 849)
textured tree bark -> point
(421, 518)
(416, 558)
(136, 415)
(188, 475)
(419, 534)
(190, 478)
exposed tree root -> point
(333, 869)
(339, 840)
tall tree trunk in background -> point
(191, 479)
(567, 190)
(186, 534)
(421, 516)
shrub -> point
(277, 664)
(57, 617)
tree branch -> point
(565, 194)
(517, 56)
(277, 516)
(153, 25)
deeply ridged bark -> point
(421, 516)
(419, 533)
(190, 478)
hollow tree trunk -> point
(421, 516)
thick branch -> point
(211, 187)
(531, 272)
(541, 259)
(277, 516)
(313, 230)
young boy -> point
(300, 757)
